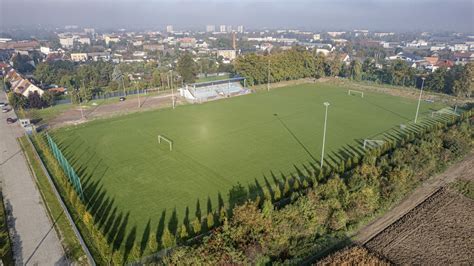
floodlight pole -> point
(324, 133)
(80, 100)
(123, 86)
(419, 98)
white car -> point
(5, 110)
(2, 104)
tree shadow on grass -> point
(129, 243)
(173, 222)
(145, 238)
(161, 225)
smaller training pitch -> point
(250, 140)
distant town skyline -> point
(389, 15)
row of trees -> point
(299, 63)
(34, 100)
(458, 80)
(259, 233)
(286, 65)
(85, 80)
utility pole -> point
(419, 98)
(123, 86)
(324, 134)
(172, 90)
(139, 104)
(80, 99)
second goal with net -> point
(355, 92)
(372, 143)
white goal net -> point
(372, 143)
(445, 111)
(354, 92)
(161, 138)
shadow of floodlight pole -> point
(326, 104)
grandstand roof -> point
(206, 83)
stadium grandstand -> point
(213, 90)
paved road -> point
(460, 170)
(35, 241)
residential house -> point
(84, 40)
(227, 54)
(21, 85)
(79, 57)
(343, 57)
(202, 44)
(111, 38)
(417, 44)
(335, 34)
(444, 63)
(322, 51)
(139, 54)
(463, 57)
(187, 42)
(66, 42)
(25, 45)
(104, 56)
(408, 57)
(45, 50)
(153, 47)
(266, 46)
(460, 47)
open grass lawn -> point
(133, 181)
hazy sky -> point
(457, 15)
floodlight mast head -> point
(326, 104)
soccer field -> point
(247, 139)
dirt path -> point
(108, 109)
(460, 170)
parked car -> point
(5, 110)
(2, 104)
(122, 99)
(11, 120)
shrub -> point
(168, 240)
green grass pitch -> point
(133, 180)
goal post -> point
(161, 138)
(355, 92)
(372, 143)
(444, 111)
(436, 113)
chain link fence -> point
(71, 174)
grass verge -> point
(6, 253)
(69, 241)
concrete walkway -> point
(35, 241)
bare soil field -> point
(74, 116)
(439, 231)
(460, 170)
